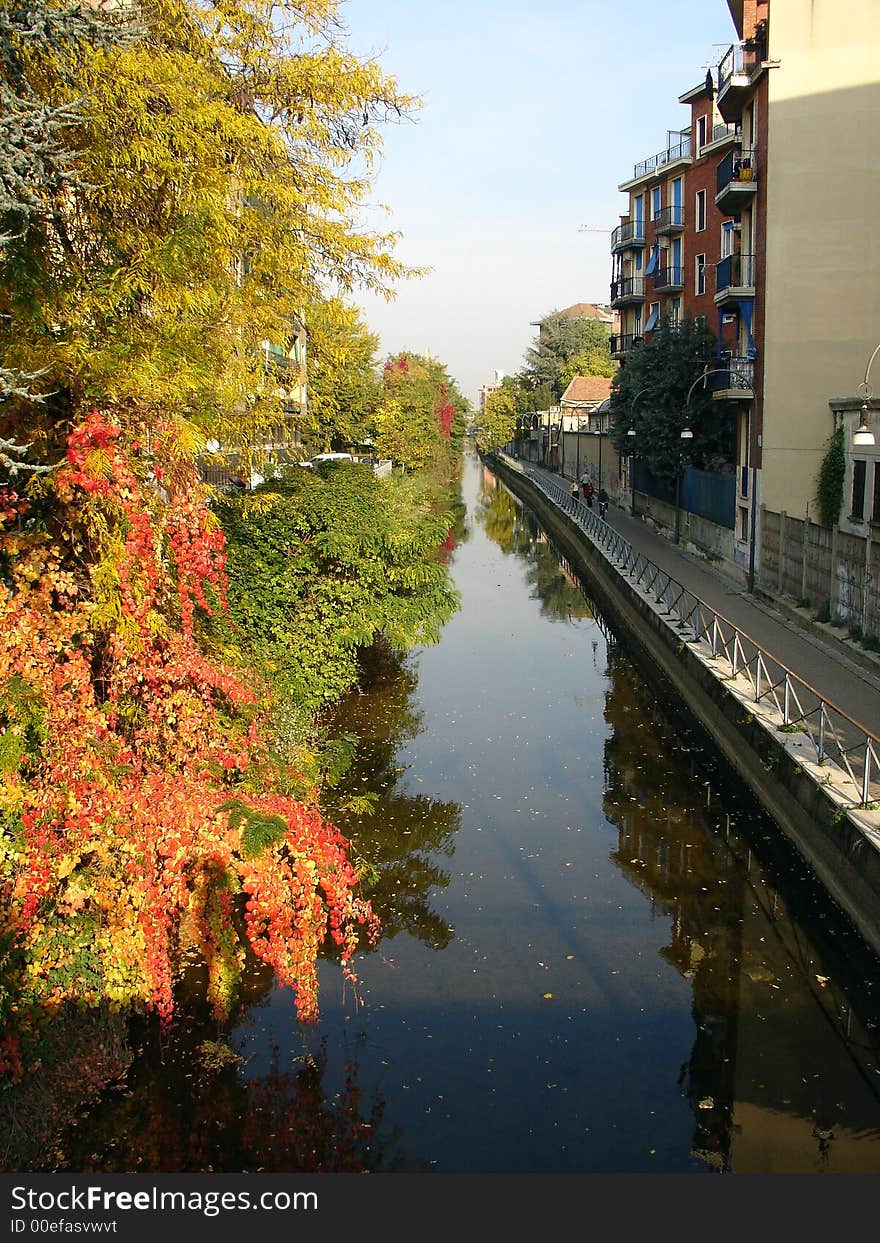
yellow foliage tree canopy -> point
(222, 159)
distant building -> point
(488, 389)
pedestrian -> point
(573, 491)
(588, 493)
(603, 502)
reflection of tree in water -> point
(189, 1104)
(668, 850)
(515, 531)
(401, 840)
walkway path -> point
(837, 678)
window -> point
(639, 260)
(637, 322)
(653, 317)
(639, 212)
(875, 513)
(700, 213)
(656, 202)
(726, 239)
(701, 133)
(675, 311)
(743, 524)
(860, 470)
(700, 274)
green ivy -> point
(829, 488)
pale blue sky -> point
(532, 116)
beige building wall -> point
(823, 231)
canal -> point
(597, 954)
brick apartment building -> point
(760, 214)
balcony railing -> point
(675, 151)
(735, 272)
(669, 219)
(630, 234)
(623, 342)
(628, 288)
(669, 278)
(723, 131)
(734, 373)
(739, 167)
(738, 61)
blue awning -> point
(652, 264)
(745, 310)
(652, 320)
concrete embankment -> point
(811, 802)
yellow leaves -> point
(66, 866)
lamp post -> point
(631, 434)
(685, 437)
(863, 435)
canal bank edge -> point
(804, 798)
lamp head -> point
(631, 431)
(863, 434)
(686, 434)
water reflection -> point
(515, 530)
(407, 836)
(784, 1070)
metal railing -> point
(671, 217)
(740, 60)
(734, 373)
(627, 287)
(735, 272)
(739, 166)
(723, 131)
(631, 232)
(831, 733)
(676, 151)
(669, 278)
(623, 342)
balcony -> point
(669, 220)
(622, 343)
(627, 289)
(736, 181)
(675, 151)
(669, 278)
(735, 378)
(735, 75)
(628, 236)
(734, 279)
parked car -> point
(320, 458)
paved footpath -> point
(843, 681)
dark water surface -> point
(597, 956)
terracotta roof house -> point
(586, 392)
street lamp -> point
(685, 436)
(863, 434)
(631, 434)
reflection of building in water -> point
(783, 1074)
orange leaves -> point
(127, 862)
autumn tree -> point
(222, 159)
(419, 421)
(343, 381)
(498, 422)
